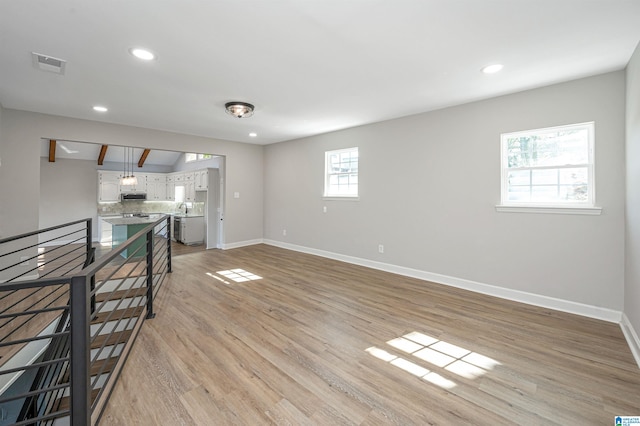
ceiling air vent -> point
(48, 63)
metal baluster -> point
(80, 354)
(169, 244)
(150, 236)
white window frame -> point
(328, 174)
(572, 207)
(199, 157)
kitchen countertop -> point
(188, 215)
(132, 220)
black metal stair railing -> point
(91, 316)
(57, 367)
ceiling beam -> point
(103, 152)
(52, 150)
(143, 157)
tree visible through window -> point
(548, 167)
(341, 173)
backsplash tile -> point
(105, 209)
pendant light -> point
(128, 168)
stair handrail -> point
(81, 309)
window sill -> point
(327, 198)
(594, 211)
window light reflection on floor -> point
(237, 275)
(218, 278)
(438, 353)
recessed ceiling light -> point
(253, 134)
(143, 54)
(100, 108)
(492, 69)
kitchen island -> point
(125, 228)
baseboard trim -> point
(590, 311)
(242, 244)
(631, 336)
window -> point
(190, 156)
(341, 173)
(550, 167)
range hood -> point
(133, 196)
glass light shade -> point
(239, 109)
(129, 180)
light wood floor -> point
(319, 342)
(177, 249)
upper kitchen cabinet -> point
(201, 178)
(108, 186)
(189, 187)
(177, 186)
(156, 187)
(171, 187)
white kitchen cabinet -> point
(190, 229)
(105, 230)
(201, 178)
(156, 187)
(171, 188)
(185, 189)
(108, 186)
(177, 188)
(190, 191)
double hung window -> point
(341, 173)
(551, 167)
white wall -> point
(632, 252)
(146, 168)
(181, 166)
(429, 184)
(1, 109)
(19, 180)
(68, 192)
(22, 132)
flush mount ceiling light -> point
(239, 109)
(143, 54)
(492, 69)
(100, 108)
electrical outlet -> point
(284, 232)
(380, 248)
(324, 209)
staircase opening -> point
(68, 320)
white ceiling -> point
(309, 66)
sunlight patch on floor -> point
(239, 275)
(236, 275)
(438, 353)
(218, 278)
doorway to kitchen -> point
(85, 179)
